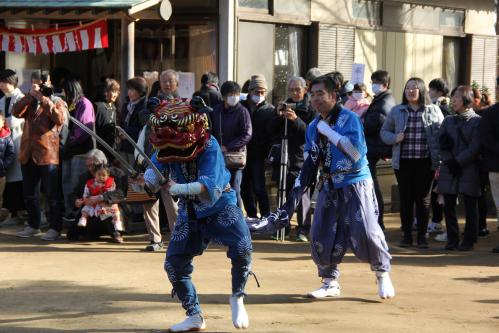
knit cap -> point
(258, 81)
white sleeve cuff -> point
(331, 134)
(186, 189)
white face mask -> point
(257, 99)
(357, 96)
(232, 100)
(376, 88)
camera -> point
(45, 88)
(283, 106)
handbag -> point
(234, 160)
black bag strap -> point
(7, 107)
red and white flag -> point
(68, 39)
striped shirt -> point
(415, 144)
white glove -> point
(326, 130)
(186, 189)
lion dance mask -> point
(180, 130)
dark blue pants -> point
(253, 188)
(377, 191)
(33, 176)
(190, 238)
(236, 176)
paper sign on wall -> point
(358, 73)
(187, 84)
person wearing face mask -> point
(412, 128)
(263, 117)
(358, 100)
(231, 126)
(374, 118)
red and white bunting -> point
(68, 39)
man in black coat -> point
(489, 137)
(263, 118)
(210, 92)
(298, 113)
(375, 116)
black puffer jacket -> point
(489, 138)
(373, 121)
(264, 120)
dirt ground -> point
(100, 287)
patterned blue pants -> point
(344, 218)
(190, 238)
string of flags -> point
(81, 37)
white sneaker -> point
(239, 315)
(385, 286)
(434, 227)
(194, 323)
(441, 237)
(51, 235)
(331, 289)
(28, 232)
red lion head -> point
(179, 132)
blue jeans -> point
(190, 238)
(236, 176)
(253, 188)
(33, 175)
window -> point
(292, 8)
(366, 12)
(289, 58)
(180, 46)
(452, 20)
(254, 4)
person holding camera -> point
(459, 172)
(44, 115)
(298, 113)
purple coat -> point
(233, 130)
(79, 142)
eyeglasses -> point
(411, 88)
(292, 90)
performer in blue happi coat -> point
(207, 210)
(346, 213)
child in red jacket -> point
(6, 159)
(101, 183)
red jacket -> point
(97, 189)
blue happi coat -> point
(211, 172)
(344, 169)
